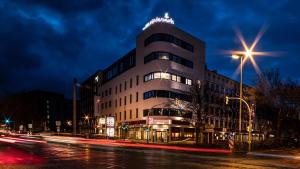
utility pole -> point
(74, 106)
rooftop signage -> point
(165, 19)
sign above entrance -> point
(165, 19)
(159, 121)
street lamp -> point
(247, 53)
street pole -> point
(241, 97)
(74, 106)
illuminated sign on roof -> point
(165, 19)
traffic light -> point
(227, 100)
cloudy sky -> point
(44, 44)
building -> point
(88, 96)
(138, 89)
(40, 108)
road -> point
(52, 155)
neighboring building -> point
(138, 88)
(224, 118)
(39, 108)
(88, 93)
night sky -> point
(44, 44)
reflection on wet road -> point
(37, 155)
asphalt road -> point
(41, 155)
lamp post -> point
(248, 53)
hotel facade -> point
(137, 91)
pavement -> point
(50, 153)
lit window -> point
(165, 76)
(156, 75)
(164, 57)
(174, 77)
(178, 79)
(188, 82)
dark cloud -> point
(44, 44)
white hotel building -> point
(137, 89)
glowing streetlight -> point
(86, 117)
(247, 53)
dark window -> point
(168, 38)
(120, 87)
(102, 105)
(125, 85)
(105, 104)
(116, 103)
(120, 114)
(109, 104)
(168, 56)
(116, 90)
(125, 115)
(125, 100)
(130, 99)
(137, 80)
(120, 66)
(109, 91)
(165, 94)
(130, 114)
(136, 113)
(105, 92)
(130, 83)
(120, 102)
(137, 96)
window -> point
(136, 96)
(168, 56)
(120, 115)
(105, 92)
(116, 103)
(130, 114)
(102, 105)
(120, 87)
(137, 80)
(168, 38)
(125, 115)
(166, 76)
(136, 113)
(166, 94)
(109, 91)
(120, 102)
(125, 85)
(174, 77)
(116, 90)
(109, 103)
(106, 105)
(188, 82)
(122, 65)
(130, 99)
(157, 75)
(130, 83)
(125, 100)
